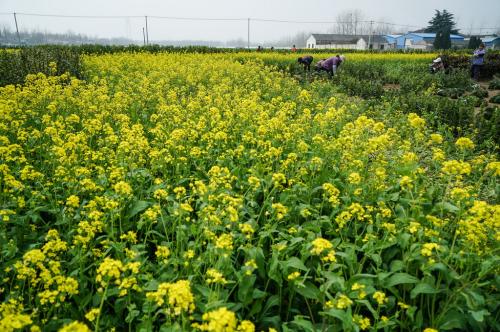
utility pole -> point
(17, 30)
(144, 36)
(352, 32)
(248, 33)
(147, 32)
(370, 35)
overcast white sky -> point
(469, 15)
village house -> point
(354, 42)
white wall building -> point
(354, 42)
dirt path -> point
(389, 86)
(491, 93)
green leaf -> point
(422, 288)
(258, 294)
(137, 207)
(473, 299)
(296, 263)
(369, 306)
(479, 315)
(274, 273)
(445, 206)
(258, 255)
(400, 278)
(452, 320)
(308, 290)
(132, 313)
(397, 265)
(245, 289)
(336, 313)
(332, 280)
(171, 328)
(303, 323)
(272, 301)
(151, 286)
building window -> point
(381, 46)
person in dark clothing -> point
(330, 65)
(477, 62)
(306, 62)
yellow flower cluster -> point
(332, 193)
(162, 253)
(109, 270)
(42, 268)
(215, 277)
(363, 322)
(280, 210)
(223, 320)
(178, 297)
(464, 143)
(380, 297)
(416, 121)
(323, 248)
(341, 302)
(480, 227)
(455, 167)
(11, 316)
(427, 249)
(75, 327)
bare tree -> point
(349, 22)
(382, 27)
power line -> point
(80, 16)
(228, 19)
(198, 18)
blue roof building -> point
(492, 42)
(391, 39)
(419, 40)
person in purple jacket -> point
(330, 65)
(477, 62)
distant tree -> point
(438, 41)
(474, 42)
(446, 40)
(442, 20)
(349, 23)
(382, 28)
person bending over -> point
(306, 62)
(330, 65)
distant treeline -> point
(8, 37)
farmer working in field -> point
(330, 65)
(437, 65)
(306, 61)
(477, 62)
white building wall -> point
(346, 46)
(361, 44)
(311, 42)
